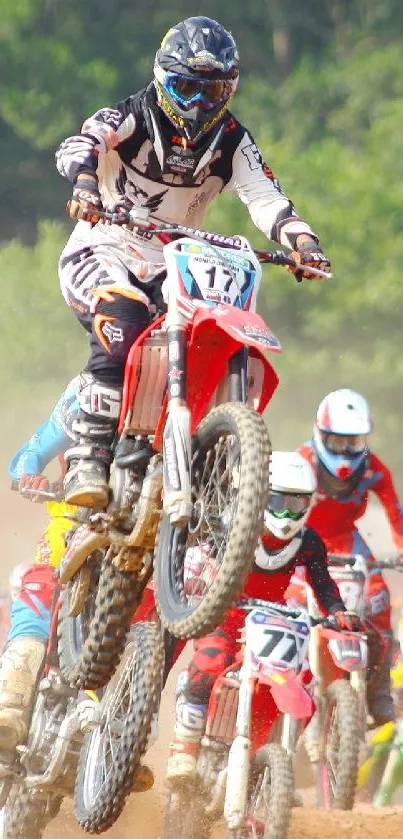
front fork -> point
(291, 730)
(237, 376)
(236, 793)
(393, 771)
(177, 439)
(359, 684)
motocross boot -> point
(88, 462)
(20, 666)
(184, 750)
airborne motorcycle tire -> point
(128, 706)
(91, 644)
(189, 620)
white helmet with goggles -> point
(292, 488)
(343, 424)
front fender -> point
(217, 334)
(290, 695)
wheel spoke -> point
(216, 495)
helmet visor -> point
(283, 505)
(188, 91)
(349, 444)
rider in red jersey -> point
(347, 472)
(286, 543)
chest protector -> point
(275, 560)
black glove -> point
(309, 253)
(349, 621)
(85, 198)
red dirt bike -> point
(84, 744)
(257, 711)
(191, 458)
(339, 662)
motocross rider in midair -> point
(347, 472)
(172, 148)
(286, 542)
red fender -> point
(218, 333)
(290, 695)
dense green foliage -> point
(322, 92)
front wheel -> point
(271, 791)
(338, 765)
(201, 568)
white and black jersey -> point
(115, 145)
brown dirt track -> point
(142, 818)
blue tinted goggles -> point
(188, 92)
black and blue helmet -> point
(196, 73)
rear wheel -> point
(90, 645)
(230, 489)
(110, 755)
(338, 765)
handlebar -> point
(351, 559)
(54, 493)
(138, 219)
(288, 611)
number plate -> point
(351, 587)
(229, 279)
(277, 641)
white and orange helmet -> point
(341, 431)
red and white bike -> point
(257, 711)
(191, 458)
(339, 661)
